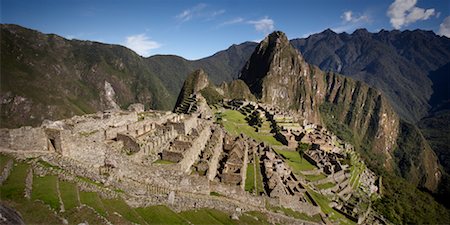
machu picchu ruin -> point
(186, 162)
(284, 142)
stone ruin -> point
(176, 159)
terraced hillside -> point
(49, 199)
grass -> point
(121, 207)
(3, 160)
(160, 161)
(199, 216)
(14, 187)
(262, 218)
(324, 202)
(93, 200)
(326, 185)
(34, 212)
(69, 194)
(294, 160)
(235, 123)
(295, 214)
(44, 188)
(160, 215)
(250, 180)
(213, 193)
(259, 179)
(48, 165)
(312, 178)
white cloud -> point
(404, 12)
(232, 21)
(264, 25)
(199, 11)
(444, 28)
(141, 44)
(347, 16)
(217, 13)
(350, 17)
(351, 21)
(188, 14)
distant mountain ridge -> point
(45, 76)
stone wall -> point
(24, 139)
(191, 155)
(217, 150)
(130, 144)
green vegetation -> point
(3, 160)
(119, 206)
(296, 163)
(315, 177)
(69, 194)
(48, 165)
(13, 188)
(326, 185)
(87, 134)
(44, 188)
(200, 216)
(403, 203)
(295, 214)
(93, 200)
(213, 193)
(250, 179)
(235, 123)
(160, 161)
(160, 215)
(211, 95)
(323, 202)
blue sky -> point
(196, 29)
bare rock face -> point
(110, 97)
(9, 216)
(277, 74)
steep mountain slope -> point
(397, 63)
(49, 77)
(277, 74)
(222, 66)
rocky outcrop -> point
(277, 74)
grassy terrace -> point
(294, 160)
(160, 161)
(93, 200)
(44, 188)
(356, 169)
(160, 215)
(326, 185)
(3, 160)
(334, 215)
(119, 206)
(235, 123)
(69, 194)
(297, 215)
(117, 211)
(254, 181)
(13, 188)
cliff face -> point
(277, 74)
